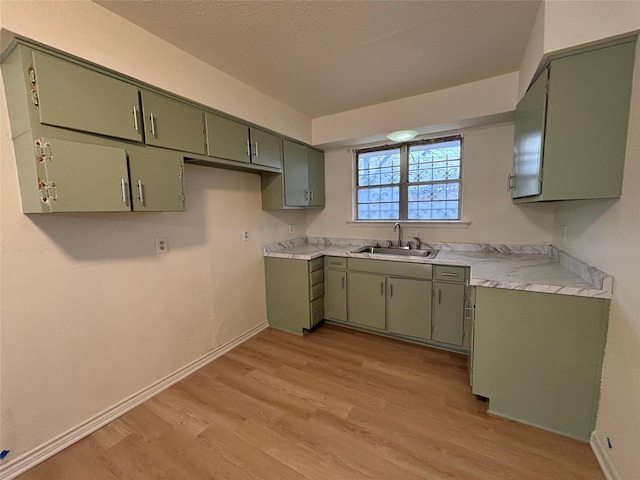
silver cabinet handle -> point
(135, 118)
(391, 290)
(447, 274)
(125, 191)
(439, 296)
(257, 154)
(153, 124)
(381, 288)
(141, 192)
(343, 283)
(248, 148)
(510, 187)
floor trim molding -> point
(46, 450)
(603, 459)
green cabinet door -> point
(266, 148)
(76, 97)
(587, 123)
(156, 180)
(529, 138)
(316, 178)
(296, 174)
(409, 307)
(336, 295)
(448, 313)
(85, 178)
(366, 293)
(170, 123)
(227, 139)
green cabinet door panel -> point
(316, 178)
(528, 139)
(78, 98)
(170, 123)
(296, 174)
(87, 178)
(156, 180)
(538, 357)
(409, 307)
(366, 295)
(336, 295)
(587, 123)
(227, 139)
(448, 313)
(266, 148)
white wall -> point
(90, 314)
(494, 218)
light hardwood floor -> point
(335, 404)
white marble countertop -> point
(535, 268)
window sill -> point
(415, 223)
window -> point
(413, 181)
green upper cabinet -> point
(170, 123)
(156, 180)
(231, 140)
(571, 130)
(71, 96)
(301, 184)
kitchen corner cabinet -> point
(571, 126)
(336, 289)
(231, 140)
(538, 357)
(301, 184)
(295, 293)
(172, 124)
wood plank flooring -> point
(335, 404)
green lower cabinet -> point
(367, 299)
(409, 307)
(295, 293)
(538, 357)
(336, 295)
(448, 313)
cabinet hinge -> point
(181, 195)
(48, 191)
(541, 175)
(43, 151)
(32, 85)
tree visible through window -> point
(414, 181)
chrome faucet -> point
(399, 228)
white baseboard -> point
(600, 452)
(46, 450)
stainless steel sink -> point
(403, 251)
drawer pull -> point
(447, 274)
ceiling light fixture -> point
(402, 135)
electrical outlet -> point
(162, 245)
(245, 235)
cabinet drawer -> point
(316, 277)
(337, 262)
(317, 311)
(316, 264)
(316, 291)
(450, 274)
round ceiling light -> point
(402, 135)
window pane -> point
(379, 167)
(434, 161)
(378, 211)
(437, 201)
(378, 195)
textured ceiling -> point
(324, 57)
